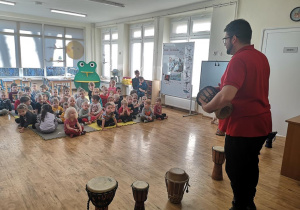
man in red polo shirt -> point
(245, 84)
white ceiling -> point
(96, 12)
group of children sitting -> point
(44, 111)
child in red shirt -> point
(71, 125)
(124, 112)
(158, 110)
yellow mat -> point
(98, 128)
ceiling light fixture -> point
(110, 3)
(8, 3)
(68, 13)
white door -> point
(282, 48)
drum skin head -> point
(101, 184)
(140, 185)
(218, 148)
(177, 174)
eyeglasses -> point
(224, 39)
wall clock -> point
(295, 14)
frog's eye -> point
(92, 65)
(81, 64)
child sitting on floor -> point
(63, 100)
(27, 91)
(95, 107)
(17, 101)
(34, 91)
(96, 92)
(71, 125)
(62, 116)
(81, 98)
(158, 110)
(39, 103)
(132, 92)
(110, 99)
(54, 95)
(104, 95)
(72, 103)
(124, 112)
(91, 89)
(130, 105)
(58, 110)
(108, 117)
(119, 91)
(144, 98)
(45, 98)
(26, 100)
(117, 101)
(84, 114)
(136, 105)
(13, 92)
(5, 104)
(26, 118)
(147, 114)
(76, 95)
(44, 90)
(46, 121)
(66, 92)
(112, 87)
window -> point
(109, 51)
(30, 47)
(8, 39)
(64, 47)
(193, 29)
(141, 49)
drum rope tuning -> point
(177, 182)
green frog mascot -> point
(87, 73)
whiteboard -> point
(177, 69)
(211, 73)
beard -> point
(229, 49)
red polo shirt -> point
(248, 71)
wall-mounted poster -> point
(177, 69)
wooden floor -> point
(38, 174)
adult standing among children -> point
(142, 87)
(135, 81)
(245, 84)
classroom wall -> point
(268, 14)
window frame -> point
(190, 36)
(17, 38)
(141, 40)
(110, 42)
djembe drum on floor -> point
(140, 192)
(218, 156)
(101, 191)
(177, 181)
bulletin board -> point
(177, 69)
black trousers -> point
(162, 116)
(110, 122)
(242, 167)
(126, 118)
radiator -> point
(179, 102)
